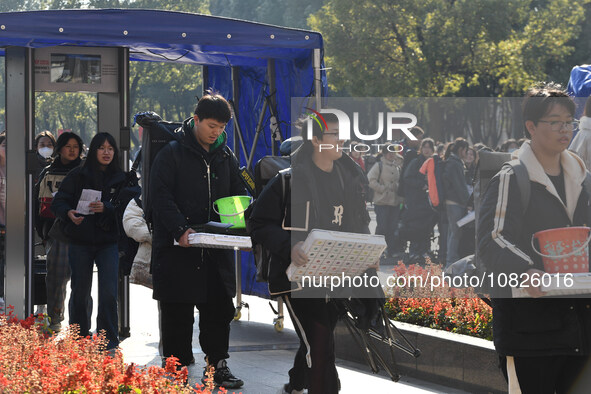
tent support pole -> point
(257, 133)
(273, 104)
(205, 72)
(317, 78)
(124, 141)
(17, 249)
(237, 254)
(238, 129)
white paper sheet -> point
(87, 196)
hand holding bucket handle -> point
(575, 251)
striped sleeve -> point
(500, 226)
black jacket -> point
(418, 217)
(42, 224)
(454, 176)
(533, 327)
(268, 215)
(415, 183)
(97, 229)
(185, 180)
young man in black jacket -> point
(325, 192)
(186, 178)
(544, 343)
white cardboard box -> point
(219, 241)
(337, 253)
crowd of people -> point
(417, 192)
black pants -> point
(548, 374)
(215, 316)
(317, 319)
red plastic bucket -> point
(564, 250)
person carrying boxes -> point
(544, 344)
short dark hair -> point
(541, 98)
(454, 147)
(319, 129)
(63, 139)
(213, 106)
(45, 133)
(91, 158)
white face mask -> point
(511, 150)
(45, 152)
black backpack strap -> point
(285, 187)
(522, 177)
(137, 161)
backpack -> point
(48, 186)
(157, 133)
(409, 155)
(265, 169)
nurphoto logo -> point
(389, 122)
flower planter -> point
(449, 359)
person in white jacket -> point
(581, 144)
(135, 226)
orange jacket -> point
(428, 168)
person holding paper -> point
(93, 237)
(325, 192)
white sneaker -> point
(41, 310)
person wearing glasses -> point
(581, 144)
(187, 176)
(325, 192)
(544, 344)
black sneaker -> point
(223, 377)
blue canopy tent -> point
(579, 86)
(259, 67)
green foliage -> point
(195, 6)
(444, 48)
(68, 111)
(290, 13)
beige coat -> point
(135, 226)
(385, 188)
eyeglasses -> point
(556, 125)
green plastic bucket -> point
(231, 209)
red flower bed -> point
(440, 307)
(33, 361)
